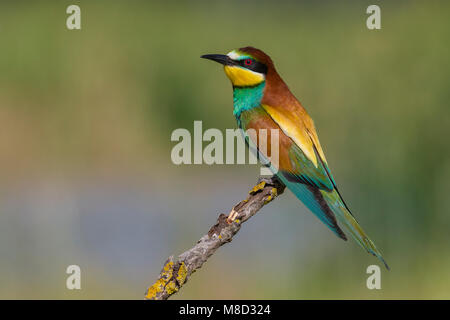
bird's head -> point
(245, 67)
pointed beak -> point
(220, 58)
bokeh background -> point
(86, 176)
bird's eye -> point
(248, 62)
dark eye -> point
(248, 62)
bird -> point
(262, 100)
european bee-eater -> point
(262, 100)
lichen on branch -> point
(175, 273)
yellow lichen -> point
(272, 195)
(167, 270)
(167, 282)
(155, 289)
(171, 287)
(274, 192)
(258, 187)
(158, 286)
(182, 274)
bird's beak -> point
(220, 58)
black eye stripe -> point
(254, 66)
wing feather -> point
(307, 158)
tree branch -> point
(175, 273)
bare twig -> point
(175, 273)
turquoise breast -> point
(246, 98)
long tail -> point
(346, 220)
(329, 207)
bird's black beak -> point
(220, 58)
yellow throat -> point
(241, 77)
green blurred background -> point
(86, 176)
